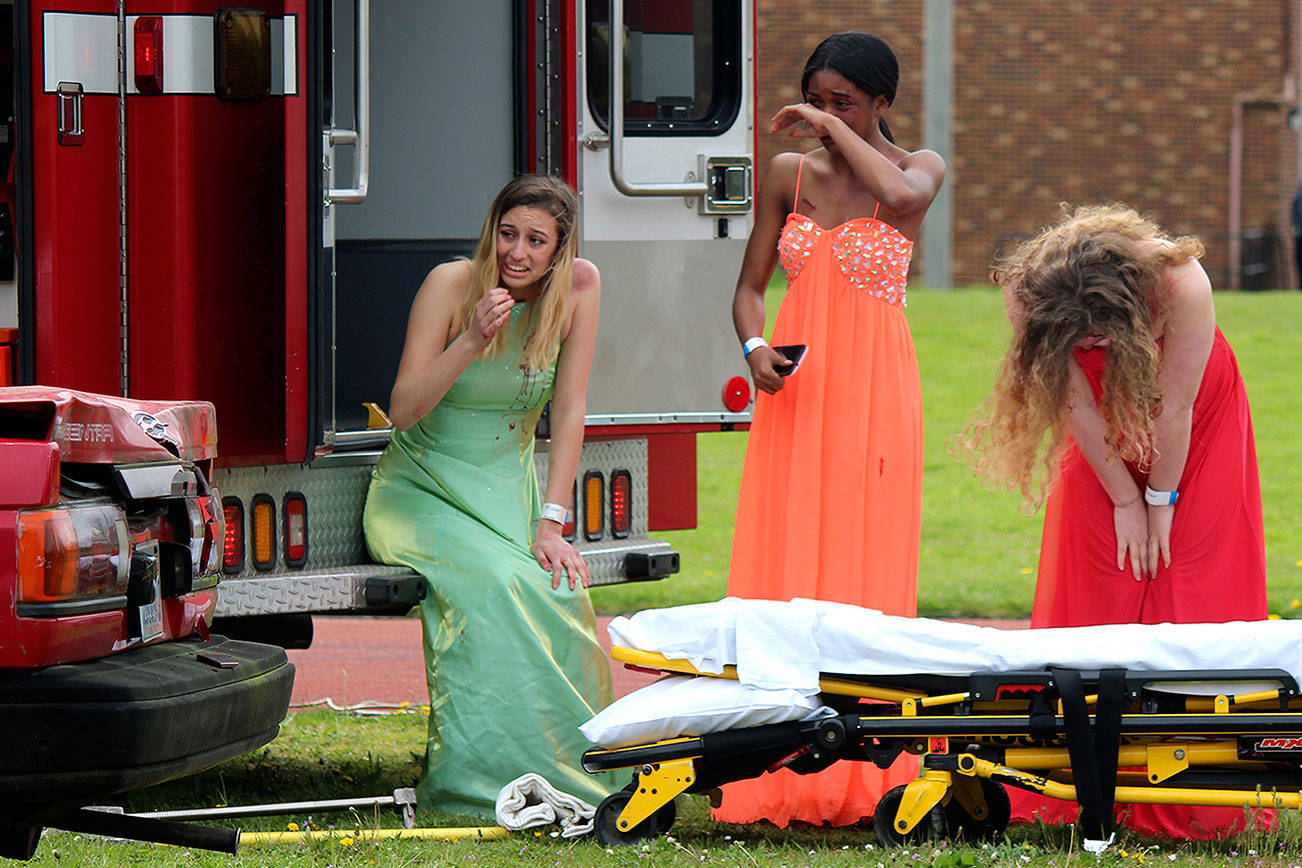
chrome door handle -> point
(360, 138)
(69, 94)
(616, 113)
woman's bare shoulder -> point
(924, 159)
(586, 275)
(452, 270)
(1186, 279)
(447, 281)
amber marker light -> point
(594, 505)
(262, 527)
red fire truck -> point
(237, 204)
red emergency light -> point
(621, 503)
(149, 53)
(233, 545)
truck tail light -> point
(205, 540)
(214, 535)
(295, 509)
(621, 503)
(149, 53)
(233, 545)
(262, 527)
(570, 529)
(72, 555)
(594, 504)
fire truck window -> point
(682, 65)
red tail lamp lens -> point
(736, 394)
(233, 547)
(621, 503)
(295, 510)
(149, 54)
(81, 553)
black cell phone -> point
(792, 352)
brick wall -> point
(1082, 102)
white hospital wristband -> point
(750, 346)
(1153, 497)
(554, 512)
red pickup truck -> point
(110, 554)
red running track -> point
(358, 660)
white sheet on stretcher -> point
(779, 650)
(785, 645)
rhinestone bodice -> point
(873, 256)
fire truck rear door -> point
(667, 208)
(442, 141)
(76, 294)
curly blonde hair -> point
(1098, 271)
(554, 303)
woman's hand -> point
(554, 553)
(764, 363)
(490, 312)
(1130, 521)
(1159, 536)
(802, 121)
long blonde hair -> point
(1097, 271)
(553, 304)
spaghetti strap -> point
(795, 200)
(876, 208)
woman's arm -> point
(771, 209)
(903, 189)
(569, 404)
(430, 364)
(1187, 336)
(1129, 518)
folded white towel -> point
(530, 801)
(775, 646)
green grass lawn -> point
(979, 549)
(330, 755)
(978, 558)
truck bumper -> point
(371, 589)
(81, 731)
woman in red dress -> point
(1154, 504)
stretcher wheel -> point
(999, 810)
(933, 827)
(606, 822)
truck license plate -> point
(151, 615)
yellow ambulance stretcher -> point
(1106, 726)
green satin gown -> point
(513, 666)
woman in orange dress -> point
(831, 490)
(1154, 507)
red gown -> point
(831, 491)
(1218, 561)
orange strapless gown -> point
(831, 491)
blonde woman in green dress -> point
(511, 653)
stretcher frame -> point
(974, 733)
